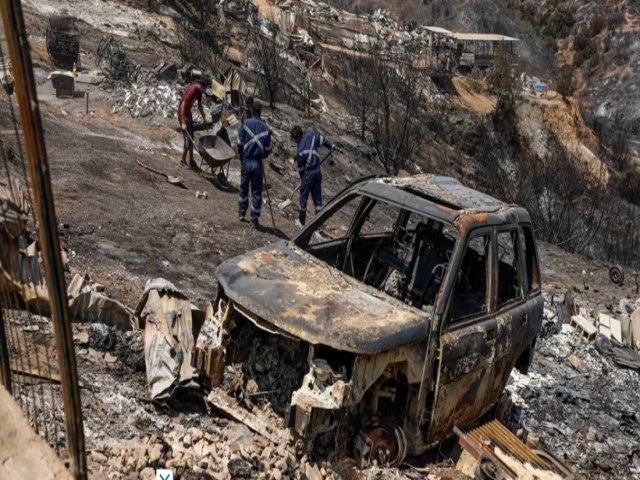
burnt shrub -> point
(559, 22)
(584, 46)
(564, 80)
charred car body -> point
(397, 314)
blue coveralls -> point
(254, 141)
(308, 160)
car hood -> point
(308, 299)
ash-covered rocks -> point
(214, 453)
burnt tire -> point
(616, 275)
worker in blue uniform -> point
(254, 145)
(308, 161)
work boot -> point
(254, 224)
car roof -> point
(443, 197)
(448, 191)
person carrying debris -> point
(254, 145)
(193, 93)
(308, 160)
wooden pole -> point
(19, 53)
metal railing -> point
(37, 357)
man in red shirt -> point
(193, 93)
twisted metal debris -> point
(112, 58)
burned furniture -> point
(114, 60)
(63, 42)
(396, 315)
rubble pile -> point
(115, 61)
(217, 451)
(145, 100)
(583, 406)
(360, 32)
(259, 379)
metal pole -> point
(86, 94)
(266, 187)
(19, 50)
(5, 367)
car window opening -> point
(392, 249)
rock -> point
(276, 474)
(281, 465)
(627, 307)
(200, 447)
(98, 457)
(239, 468)
(260, 442)
(575, 361)
(148, 473)
(196, 435)
(83, 337)
(111, 359)
(252, 387)
(186, 440)
(604, 466)
(312, 472)
(155, 454)
(212, 452)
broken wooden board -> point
(610, 327)
(261, 426)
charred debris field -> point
(209, 374)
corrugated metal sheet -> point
(483, 37)
(438, 30)
(495, 434)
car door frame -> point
(511, 318)
(468, 386)
(533, 297)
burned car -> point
(397, 314)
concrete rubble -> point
(580, 403)
(151, 100)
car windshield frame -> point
(364, 203)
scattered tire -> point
(616, 275)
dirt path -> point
(469, 95)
